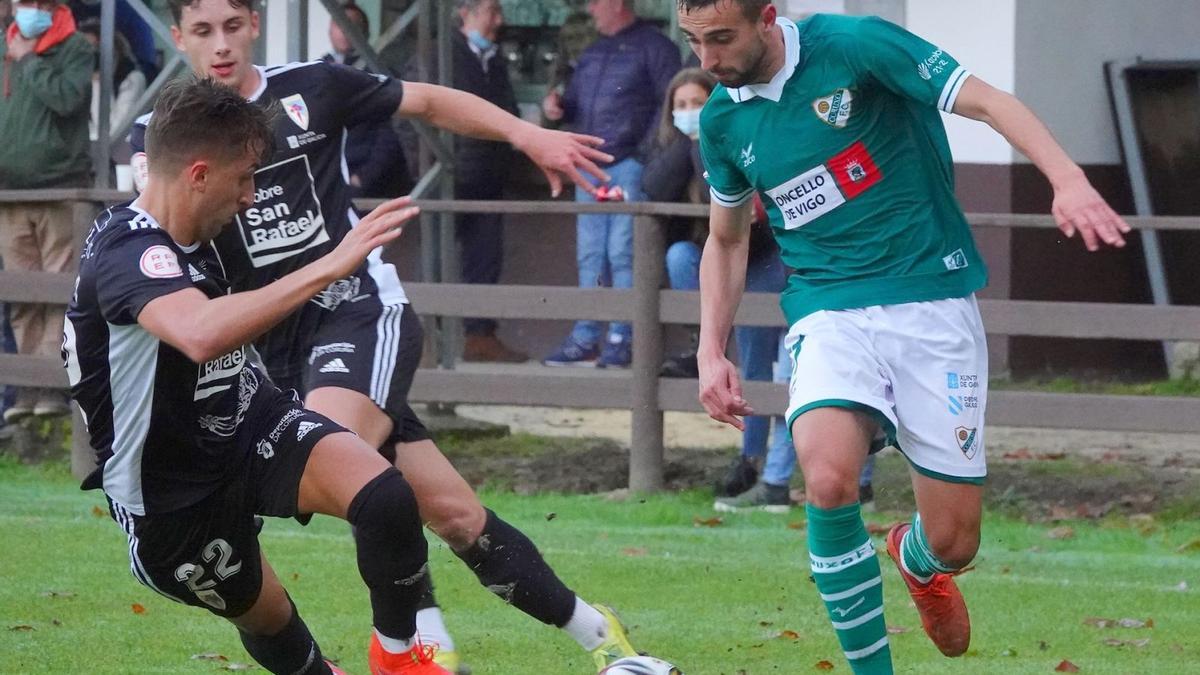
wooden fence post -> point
(646, 449)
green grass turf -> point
(713, 599)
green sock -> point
(916, 555)
(846, 570)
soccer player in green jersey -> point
(835, 122)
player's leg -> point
(275, 635)
(347, 478)
(838, 403)
(940, 358)
(831, 445)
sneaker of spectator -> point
(617, 353)
(741, 475)
(572, 354)
(50, 403)
(681, 366)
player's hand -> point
(721, 392)
(381, 226)
(559, 153)
(1079, 208)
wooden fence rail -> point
(640, 390)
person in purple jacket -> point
(615, 93)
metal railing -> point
(640, 389)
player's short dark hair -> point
(750, 8)
(198, 117)
(358, 17)
(178, 5)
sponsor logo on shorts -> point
(962, 396)
(820, 190)
(956, 260)
(335, 366)
(967, 440)
(265, 449)
(159, 262)
(834, 109)
(331, 348)
(342, 290)
(284, 422)
(303, 428)
(282, 222)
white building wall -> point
(1060, 54)
(981, 34)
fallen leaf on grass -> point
(1063, 532)
(237, 666)
(788, 635)
(1009, 652)
(99, 512)
(634, 551)
(1136, 623)
(1099, 622)
(1193, 545)
(295, 576)
(21, 628)
(796, 525)
(697, 521)
(1066, 667)
(551, 516)
(55, 622)
(897, 630)
(210, 656)
(1114, 642)
(1042, 645)
(1020, 453)
(764, 624)
(824, 665)
(137, 608)
(1183, 586)
(58, 594)
(877, 530)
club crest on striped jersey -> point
(834, 109)
(296, 109)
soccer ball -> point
(640, 665)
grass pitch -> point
(717, 598)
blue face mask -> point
(32, 22)
(479, 41)
(687, 121)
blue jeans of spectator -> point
(758, 346)
(604, 250)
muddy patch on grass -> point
(1048, 486)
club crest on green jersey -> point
(834, 109)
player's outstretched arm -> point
(204, 328)
(722, 282)
(557, 153)
(1077, 206)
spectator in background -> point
(480, 166)
(615, 93)
(373, 151)
(128, 81)
(129, 24)
(44, 121)
(8, 344)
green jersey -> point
(847, 149)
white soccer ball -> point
(640, 665)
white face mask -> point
(688, 121)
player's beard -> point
(751, 74)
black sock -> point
(392, 553)
(509, 565)
(291, 651)
(426, 601)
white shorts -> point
(920, 369)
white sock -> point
(432, 629)
(394, 646)
(587, 625)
